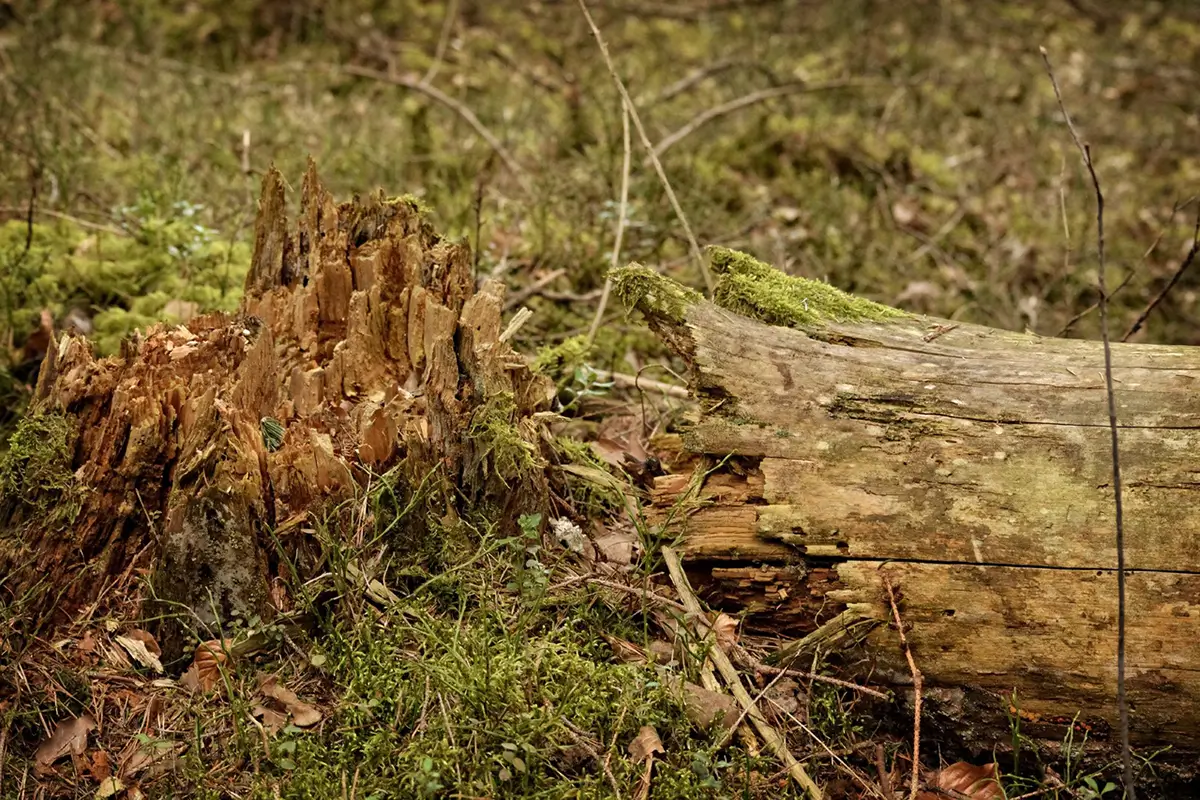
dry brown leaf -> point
(618, 436)
(610, 451)
(140, 651)
(153, 758)
(617, 547)
(663, 652)
(725, 629)
(87, 644)
(100, 767)
(646, 744)
(976, 783)
(205, 671)
(272, 720)
(707, 708)
(625, 651)
(69, 738)
(303, 715)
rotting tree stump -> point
(361, 348)
(848, 441)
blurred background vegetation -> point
(911, 152)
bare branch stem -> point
(1085, 152)
(701, 264)
(622, 212)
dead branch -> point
(918, 681)
(449, 102)
(701, 263)
(734, 681)
(1085, 152)
(1183, 267)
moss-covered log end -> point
(659, 298)
(753, 289)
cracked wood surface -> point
(974, 468)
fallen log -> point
(838, 441)
(362, 354)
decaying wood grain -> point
(361, 335)
(973, 469)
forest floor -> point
(914, 155)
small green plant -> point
(532, 575)
(1092, 790)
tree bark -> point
(969, 465)
(361, 350)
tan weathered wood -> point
(362, 336)
(973, 466)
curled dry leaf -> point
(617, 547)
(303, 715)
(646, 744)
(725, 629)
(69, 738)
(707, 708)
(968, 780)
(272, 720)
(626, 651)
(205, 671)
(142, 648)
(109, 787)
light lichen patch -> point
(751, 288)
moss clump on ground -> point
(494, 429)
(166, 262)
(561, 359)
(653, 294)
(749, 287)
(35, 471)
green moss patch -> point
(166, 262)
(494, 429)
(35, 471)
(653, 294)
(751, 288)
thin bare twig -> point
(443, 40)
(918, 683)
(1071, 322)
(693, 246)
(449, 102)
(733, 680)
(737, 104)
(621, 380)
(688, 81)
(622, 211)
(1183, 267)
(534, 288)
(885, 777)
(1085, 152)
(645, 594)
(767, 669)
